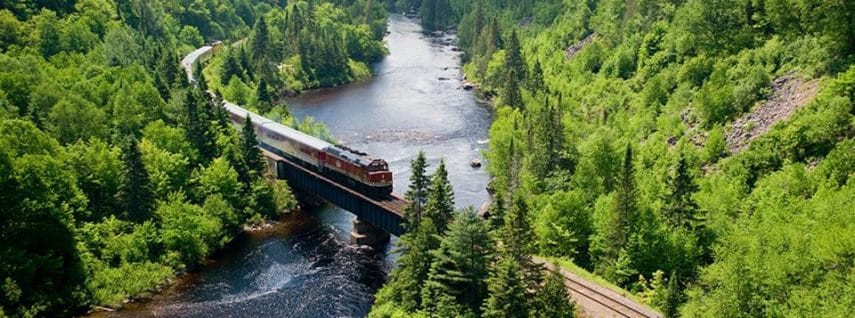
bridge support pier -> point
(365, 233)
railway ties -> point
(598, 301)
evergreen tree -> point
(459, 267)
(435, 14)
(474, 42)
(516, 241)
(250, 154)
(260, 44)
(493, 40)
(419, 190)
(515, 72)
(166, 73)
(553, 300)
(407, 279)
(673, 297)
(220, 115)
(264, 101)
(679, 206)
(231, 68)
(245, 63)
(546, 142)
(625, 204)
(198, 126)
(497, 211)
(199, 78)
(621, 223)
(508, 297)
(440, 202)
(514, 165)
(136, 194)
(535, 78)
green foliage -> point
(668, 78)
(507, 291)
(136, 192)
(563, 226)
(440, 201)
(792, 273)
(41, 271)
(459, 268)
(99, 141)
(553, 300)
(419, 190)
(188, 232)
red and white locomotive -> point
(357, 170)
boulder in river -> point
(475, 163)
(468, 86)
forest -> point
(117, 174)
(698, 154)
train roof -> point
(351, 155)
(283, 130)
(191, 58)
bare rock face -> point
(572, 50)
(788, 94)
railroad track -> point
(608, 300)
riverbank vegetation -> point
(458, 264)
(302, 46)
(115, 173)
(697, 153)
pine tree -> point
(197, 126)
(497, 211)
(516, 240)
(514, 165)
(494, 38)
(199, 78)
(614, 258)
(265, 101)
(459, 267)
(477, 27)
(553, 300)
(546, 146)
(507, 292)
(259, 43)
(515, 72)
(625, 205)
(231, 68)
(419, 189)
(535, 78)
(407, 279)
(440, 202)
(673, 298)
(679, 206)
(511, 95)
(245, 63)
(220, 115)
(250, 154)
(136, 194)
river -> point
(305, 266)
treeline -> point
(115, 173)
(304, 45)
(458, 264)
(611, 123)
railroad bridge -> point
(375, 220)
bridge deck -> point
(385, 213)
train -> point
(352, 168)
